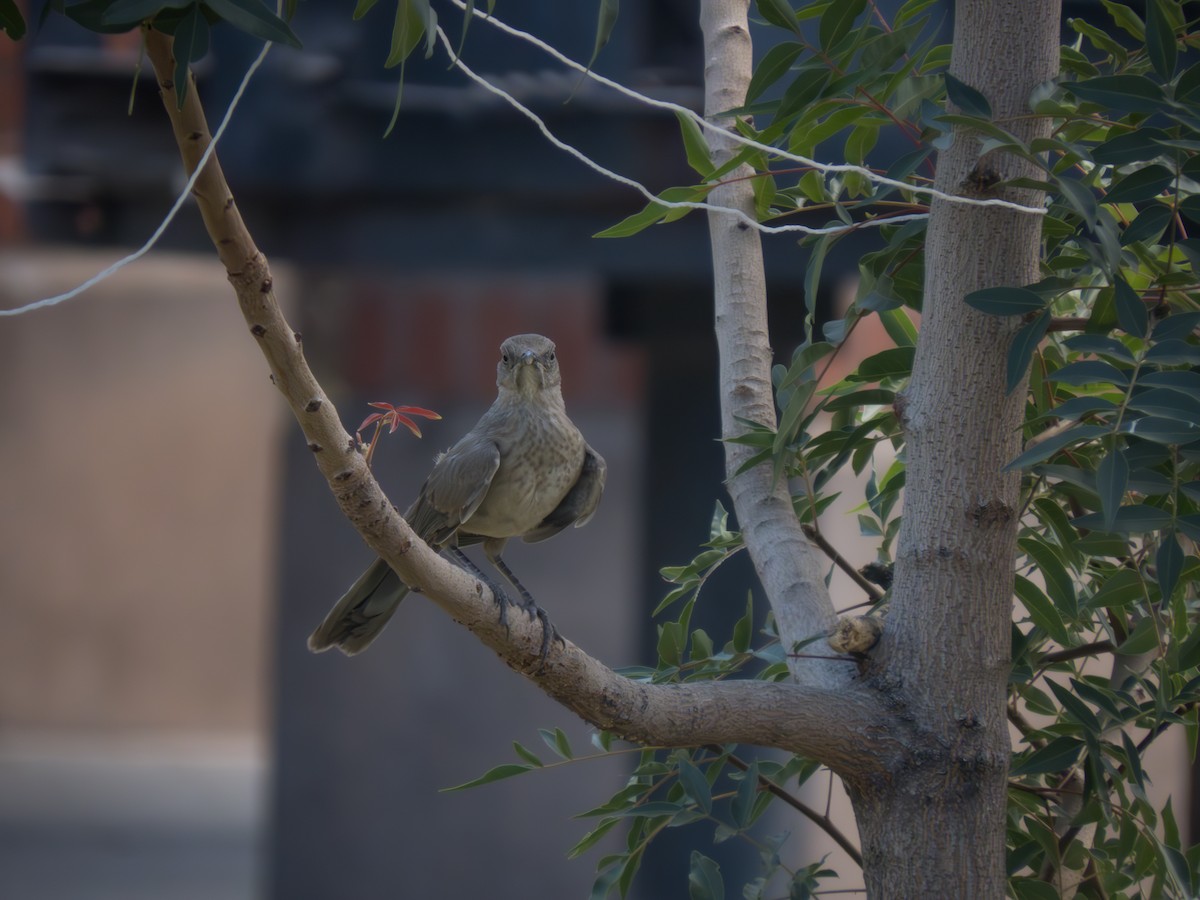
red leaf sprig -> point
(393, 417)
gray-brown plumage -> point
(523, 471)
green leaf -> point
(894, 363)
(780, 13)
(1100, 345)
(407, 31)
(1131, 311)
(1126, 18)
(592, 838)
(1058, 755)
(704, 879)
(252, 17)
(497, 774)
(1162, 431)
(1160, 40)
(777, 61)
(1142, 639)
(1169, 561)
(1121, 588)
(1140, 185)
(1189, 652)
(837, 20)
(1089, 371)
(695, 784)
(1054, 574)
(1137, 518)
(1136, 146)
(1188, 85)
(967, 98)
(362, 7)
(744, 626)
(899, 326)
(11, 20)
(607, 878)
(694, 145)
(1041, 610)
(191, 43)
(1167, 404)
(1111, 477)
(670, 643)
(869, 397)
(1024, 344)
(1005, 301)
(1183, 382)
(1076, 708)
(742, 805)
(1177, 325)
(653, 212)
(526, 754)
(1081, 199)
(606, 20)
(1026, 888)
(1048, 447)
(1124, 92)
(1172, 352)
(1147, 226)
(557, 741)
(812, 275)
(131, 12)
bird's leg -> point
(549, 632)
(501, 597)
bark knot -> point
(993, 512)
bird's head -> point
(528, 365)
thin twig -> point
(823, 822)
(840, 561)
(1082, 650)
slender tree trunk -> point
(790, 568)
(935, 828)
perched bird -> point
(523, 471)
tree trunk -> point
(934, 827)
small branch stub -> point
(856, 635)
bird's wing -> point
(580, 503)
(454, 489)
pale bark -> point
(937, 829)
(790, 568)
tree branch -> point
(845, 730)
(789, 567)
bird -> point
(524, 470)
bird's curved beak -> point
(528, 358)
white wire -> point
(638, 186)
(158, 232)
(741, 139)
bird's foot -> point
(549, 633)
(503, 601)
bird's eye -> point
(504, 357)
(551, 356)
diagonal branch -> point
(789, 566)
(848, 731)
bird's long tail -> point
(360, 615)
